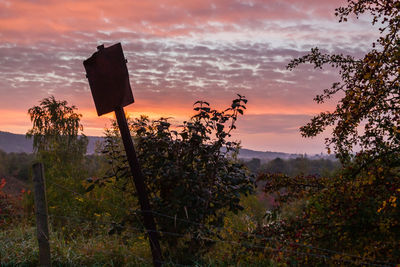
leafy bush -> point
(191, 172)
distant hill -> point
(10, 142)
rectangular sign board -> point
(108, 79)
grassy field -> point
(89, 244)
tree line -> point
(294, 166)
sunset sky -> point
(179, 51)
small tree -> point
(191, 173)
(56, 143)
(56, 127)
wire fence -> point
(243, 244)
(323, 253)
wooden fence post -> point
(41, 214)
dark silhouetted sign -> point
(109, 79)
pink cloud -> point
(36, 20)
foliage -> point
(5, 204)
(11, 209)
(371, 86)
(351, 215)
(55, 132)
(295, 166)
(54, 124)
(233, 250)
(55, 129)
(355, 213)
(18, 247)
(16, 165)
(190, 172)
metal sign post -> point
(109, 82)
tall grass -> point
(77, 243)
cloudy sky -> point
(179, 51)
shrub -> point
(191, 172)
